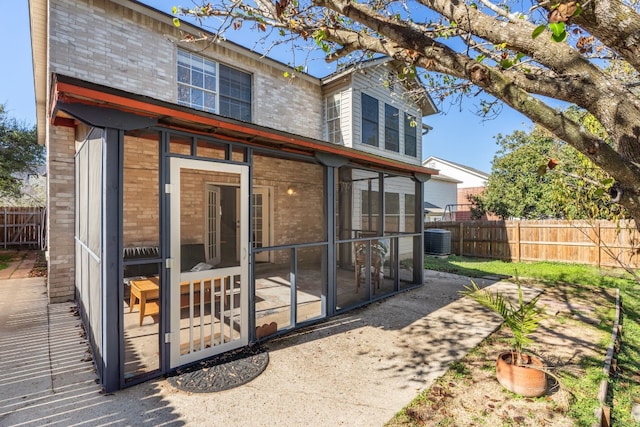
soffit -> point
(68, 90)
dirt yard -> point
(572, 342)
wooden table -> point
(144, 290)
(145, 293)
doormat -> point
(222, 372)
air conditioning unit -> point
(437, 241)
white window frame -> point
(210, 69)
(333, 112)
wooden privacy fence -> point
(22, 227)
(598, 243)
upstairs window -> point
(235, 93)
(332, 114)
(410, 136)
(206, 85)
(370, 118)
(391, 128)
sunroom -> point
(198, 234)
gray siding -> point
(372, 82)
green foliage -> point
(558, 31)
(537, 176)
(521, 319)
(539, 30)
(20, 153)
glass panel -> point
(184, 74)
(370, 133)
(333, 111)
(197, 98)
(235, 93)
(184, 95)
(141, 257)
(196, 80)
(391, 128)
(210, 102)
(310, 282)
(297, 195)
(410, 132)
(273, 294)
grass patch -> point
(624, 389)
(5, 258)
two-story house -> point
(199, 201)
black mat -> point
(222, 372)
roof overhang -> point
(38, 25)
(67, 93)
(418, 93)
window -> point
(369, 120)
(391, 212)
(332, 114)
(391, 128)
(235, 93)
(370, 209)
(206, 85)
(410, 139)
(409, 212)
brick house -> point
(198, 202)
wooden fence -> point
(598, 243)
(22, 227)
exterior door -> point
(208, 304)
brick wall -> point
(136, 51)
(297, 217)
(463, 213)
(141, 215)
(61, 215)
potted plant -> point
(517, 371)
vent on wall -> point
(437, 241)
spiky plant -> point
(521, 319)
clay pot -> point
(524, 380)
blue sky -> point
(458, 134)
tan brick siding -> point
(61, 214)
(108, 44)
(297, 218)
(140, 200)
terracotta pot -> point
(524, 380)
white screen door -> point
(208, 305)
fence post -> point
(461, 238)
(518, 241)
(599, 243)
(4, 223)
